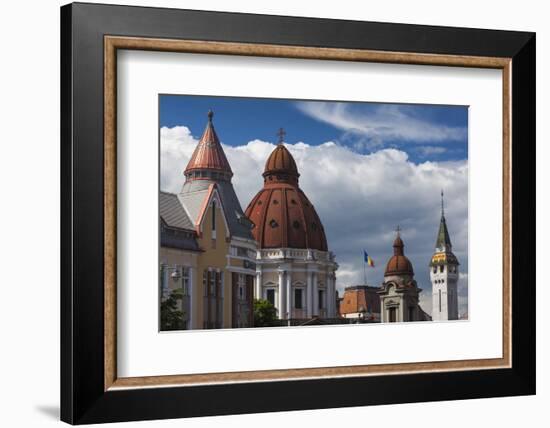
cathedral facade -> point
(295, 270)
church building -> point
(444, 275)
(295, 270)
(207, 245)
(399, 292)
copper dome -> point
(398, 264)
(282, 214)
(281, 165)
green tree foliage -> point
(265, 314)
(171, 317)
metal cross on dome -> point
(281, 134)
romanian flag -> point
(368, 260)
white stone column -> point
(258, 288)
(328, 281)
(289, 293)
(309, 293)
(333, 284)
(282, 300)
(315, 295)
(329, 295)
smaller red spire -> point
(398, 264)
(208, 159)
(398, 243)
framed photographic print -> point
(265, 213)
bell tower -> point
(444, 274)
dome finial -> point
(398, 242)
(442, 205)
(210, 115)
(281, 134)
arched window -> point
(213, 215)
(270, 295)
(298, 301)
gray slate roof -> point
(172, 213)
(192, 197)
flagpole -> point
(364, 271)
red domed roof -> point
(208, 155)
(281, 163)
(399, 264)
(282, 214)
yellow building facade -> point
(207, 248)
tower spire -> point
(443, 241)
(398, 242)
(208, 159)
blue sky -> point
(366, 167)
(246, 119)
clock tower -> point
(444, 275)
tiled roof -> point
(192, 197)
(172, 213)
(192, 201)
(177, 230)
(360, 296)
(398, 264)
(209, 153)
(280, 161)
(283, 215)
(174, 238)
(443, 239)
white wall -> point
(29, 164)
